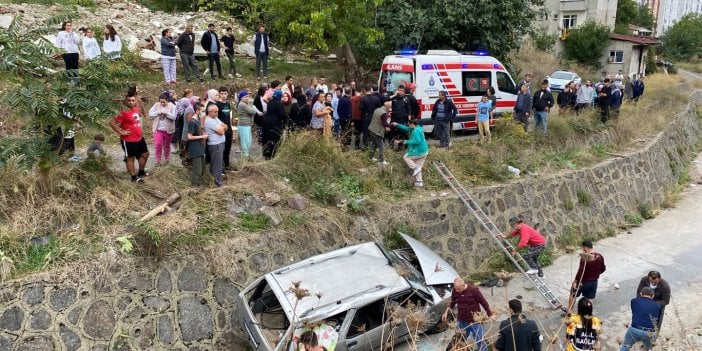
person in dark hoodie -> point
(300, 113)
(273, 122)
(522, 108)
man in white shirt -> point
(323, 85)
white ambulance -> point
(465, 78)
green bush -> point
(584, 198)
(393, 240)
(542, 40)
(586, 43)
(645, 211)
(634, 219)
(253, 221)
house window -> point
(570, 21)
(616, 56)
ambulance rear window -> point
(390, 80)
(476, 83)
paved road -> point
(670, 243)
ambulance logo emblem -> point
(431, 81)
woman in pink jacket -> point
(163, 116)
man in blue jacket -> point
(644, 317)
(210, 43)
(417, 149)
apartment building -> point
(667, 12)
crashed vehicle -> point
(356, 298)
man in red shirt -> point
(532, 240)
(128, 125)
(468, 299)
(591, 265)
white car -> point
(557, 80)
(349, 297)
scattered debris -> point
(161, 208)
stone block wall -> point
(176, 305)
(188, 303)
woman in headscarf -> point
(287, 103)
(247, 112)
(273, 122)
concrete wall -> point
(187, 303)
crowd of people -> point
(608, 94)
(358, 117)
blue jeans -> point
(476, 331)
(540, 120)
(634, 335)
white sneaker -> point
(238, 75)
(174, 149)
(532, 271)
(207, 70)
(384, 163)
(418, 184)
(230, 76)
(374, 159)
(416, 171)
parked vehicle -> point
(558, 79)
(465, 78)
(355, 293)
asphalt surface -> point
(670, 243)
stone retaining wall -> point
(184, 303)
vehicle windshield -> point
(390, 80)
(562, 75)
(407, 271)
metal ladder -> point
(505, 245)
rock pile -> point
(139, 27)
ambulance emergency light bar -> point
(407, 52)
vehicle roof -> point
(349, 277)
(441, 58)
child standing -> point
(91, 48)
(484, 116)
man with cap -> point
(661, 291)
(414, 112)
(644, 316)
(591, 265)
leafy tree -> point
(318, 25)
(42, 97)
(683, 40)
(585, 43)
(543, 40)
(630, 12)
(462, 25)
